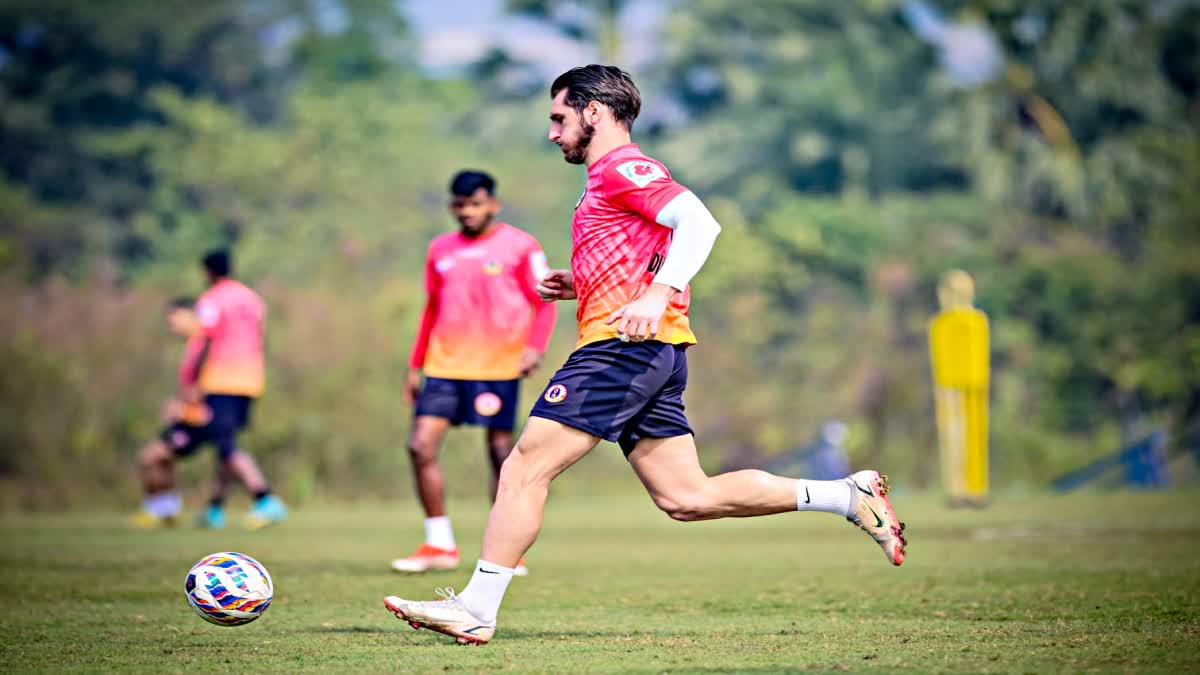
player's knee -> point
(522, 470)
(422, 451)
(685, 506)
(153, 453)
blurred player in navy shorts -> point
(483, 329)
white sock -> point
(485, 592)
(439, 533)
(163, 504)
(830, 496)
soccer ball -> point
(228, 589)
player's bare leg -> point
(158, 467)
(500, 445)
(671, 472)
(439, 551)
(424, 444)
(545, 450)
(247, 471)
(161, 504)
(213, 517)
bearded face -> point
(575, 149)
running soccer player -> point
(221, 373)
(484, 328)
(639, 238)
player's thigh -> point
(427, 434)
(670, 470)
(547, 448)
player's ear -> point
(497, 205)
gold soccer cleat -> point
(872, 512)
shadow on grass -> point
(351, 630)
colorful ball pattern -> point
(229, 589)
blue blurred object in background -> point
(1143, 464)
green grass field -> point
(1082, 583)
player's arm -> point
(416, 358)
(695, 232)
(209, 316)
(544, 313)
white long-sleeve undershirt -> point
(695, 232)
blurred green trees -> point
(849, 172)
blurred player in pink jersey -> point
(483, 329)
(219, 377)
(639, 238)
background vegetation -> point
(849, 161)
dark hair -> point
(218, 263)
(603, 84)
(181, 302)
(465, 183)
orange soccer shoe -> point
(427, 558)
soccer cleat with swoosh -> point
(447, 616)
(872, 512)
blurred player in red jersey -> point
(639, 238)
(220, 375)
(483, 329)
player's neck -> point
(604, 143)
(490, 228)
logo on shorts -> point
(488, 404)
(180, 439)
(555, 394)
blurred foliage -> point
(849, 172)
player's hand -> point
(530, 360)
(557, 285)
(412, 386)
(638, 320)
(172, 410)
(190, 394)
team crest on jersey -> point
(555, 394)
(641, 173)
(492, 267)
(488, 404)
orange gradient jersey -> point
(618, 246)
(231, 317)
(483, 309)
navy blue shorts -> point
(484, 403)
(230, 414)
(620, 391)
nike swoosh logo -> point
(866, 491)
(486, 571)
(807, 498)
(878, 520)
(472, 631)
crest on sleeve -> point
(538, 265)
(208, 314)
(640, 172)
